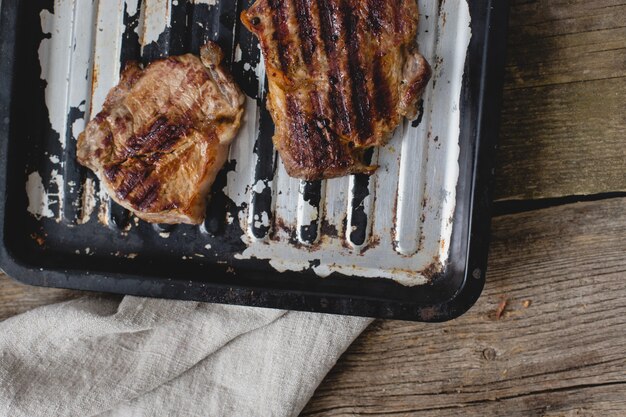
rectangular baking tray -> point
(409, 242)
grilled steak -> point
(343, 74)
(163, 135)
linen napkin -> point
(149, 357)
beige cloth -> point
(147, 357)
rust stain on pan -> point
(327, 229)
(429, 313)
(434, 269)
(95, 77)
(373, 242)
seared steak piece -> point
(343, 74)
(163, 135)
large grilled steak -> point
(163, 135)
(343, 74)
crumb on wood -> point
(527, 303)
(501, 308)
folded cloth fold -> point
(149, 357)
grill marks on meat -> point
(163, 134)
(307, 30)
(160, 137)
(360, 95)
(343, 74)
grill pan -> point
(409, 242)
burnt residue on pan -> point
(362, 226)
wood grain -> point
(16, 298)
(558, 348)
(563, 117)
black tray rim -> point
(469, 272)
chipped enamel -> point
(412, 195)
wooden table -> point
(548, 336)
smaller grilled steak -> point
(343, 74)
(163, 135)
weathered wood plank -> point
(562, 275)
(564, 140)
(16, 298)
(595, 401)
(563, 112)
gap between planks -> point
(506, 207)
(562, 118)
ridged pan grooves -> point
(394, 224)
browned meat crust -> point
(163, 134)
(343, 74)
